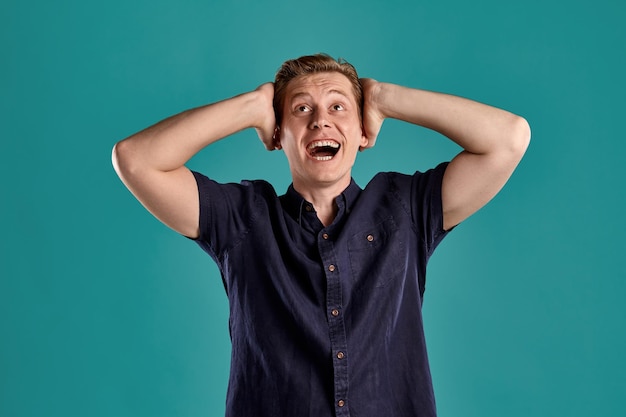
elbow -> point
(122, 159)
(519, 137)
(117, 157)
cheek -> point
(291, 125)
(356, 133)
(289, 146)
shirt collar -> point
(294, 204)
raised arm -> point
(493, 140)
(151, 163)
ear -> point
(276, 138)
(364, 141)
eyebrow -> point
(305, 94)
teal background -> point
(106, 312)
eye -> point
(338, 107)
(302, 108)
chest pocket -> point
(376, 255)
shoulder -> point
(241, 203)
(228, 211)
(208, 186)
(417, 197)
(407, 184)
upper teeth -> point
(321, 143)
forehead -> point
(322, 83)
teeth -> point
(322, 143)
(322, 154)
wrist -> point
(260, 105)
(382, 99)
(250, 107)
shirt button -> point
(341, 403)
(335, 312)
(331, 268)
(325, 236)
(308, 208)
(370, 238)
(340, 355)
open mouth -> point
(323, 150)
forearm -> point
(476, 127)
(169, 144)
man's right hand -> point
(266, 124)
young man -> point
(325, 283)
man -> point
(325, 283)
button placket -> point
(337, 334)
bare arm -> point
(151, 163)
(493, 140)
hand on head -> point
(372, 117)
(266, 124)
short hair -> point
(312, 64)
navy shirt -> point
(326, 321)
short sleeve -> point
(427, 206)
(227, 211)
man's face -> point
(321, 130)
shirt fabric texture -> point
(326, 321)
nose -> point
(319, 119)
